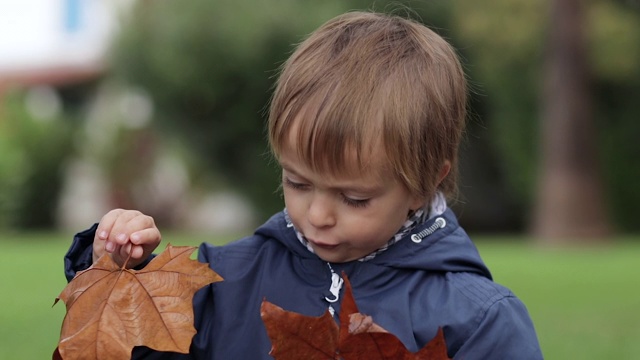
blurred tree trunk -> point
(570, 204)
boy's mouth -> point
(322, 245)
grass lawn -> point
(585, 302)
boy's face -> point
(348, 216)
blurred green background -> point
(172, 123)
(174, 118)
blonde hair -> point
(366, 79)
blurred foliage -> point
(504, 41)
(615, 49)
(32, 152)
(209, 67)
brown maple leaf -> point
(111, 309)
(295, 336)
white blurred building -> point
(55, 41)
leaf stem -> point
(124, 265)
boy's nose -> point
(320, 213)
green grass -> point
(30, 279)
(585, 303)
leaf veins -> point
(111, 309)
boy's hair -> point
(365, 80)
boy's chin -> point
(334, 256)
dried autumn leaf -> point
(362, 339)
(386, 346)
(111, 309)
(295, 336)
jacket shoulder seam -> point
(485, 295)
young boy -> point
(365, 121)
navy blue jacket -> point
(436, 279)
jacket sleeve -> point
(505, 332)
(80, 254)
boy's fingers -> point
(106, 224)
(136, 251)
(122, 253)
(146, 236)
(125, 223)
(126, 234)
(109, 246)
(102, 234)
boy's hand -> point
(123, 232)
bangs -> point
(333, 130)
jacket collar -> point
(438, 245)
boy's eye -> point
(294, 185)
(357, 203)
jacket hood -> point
(438, 245)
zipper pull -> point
(336, 285)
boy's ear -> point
(444, 171)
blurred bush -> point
(33, 148)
